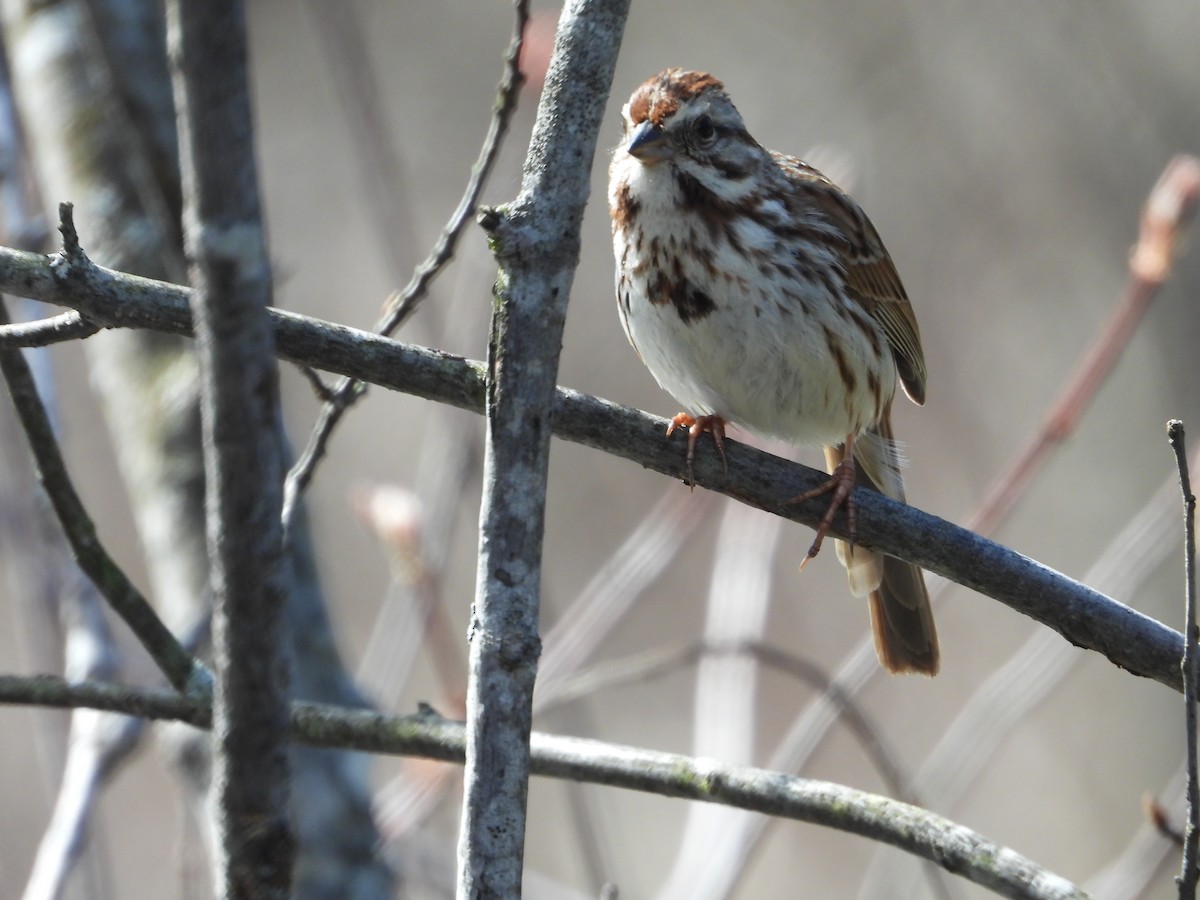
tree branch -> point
(536, 242)
(185, 673)
(243, 449)
(1169, 208)
(68, 326)
(1083, 616)
(1190, 868)
(405, 302)
(956, 848)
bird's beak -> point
(649, 143)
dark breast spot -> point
(691, 303)
(625, 209)
(845, 371)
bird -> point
(759, 294)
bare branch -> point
(1131, 872)
(1168, 210)
(536, 242)
(185, 673)
(725, 704)
(68, 326)
(243, 449)
(403, 304)
(956, 848)
(659, 662)
(1083, 616)
(612, 591)
(1028, 678)
(1190, 870)
(99, 743)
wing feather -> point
(870, 273)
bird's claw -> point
(841, 485)
(696, 426)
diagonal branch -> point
(185, 673)
(956, 848)
(1083, 616)
(405, 302)
(1167, 212)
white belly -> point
(757, 358)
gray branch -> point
(99, 116)
(956, 848)
(176, 663)
(536, 240)
(243, 449)
(68, 326)
(405, 303)
(1084, 617)
(1190, 868)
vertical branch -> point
(1190, 871)
(243, 453)
(536, 240)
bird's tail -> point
(901, 618)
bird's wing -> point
(870, 273)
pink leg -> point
(696, 426)
(841, 485)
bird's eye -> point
(705, 130)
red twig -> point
(1170, 206)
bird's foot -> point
(841, 485)
(696, 426)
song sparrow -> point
(759, 294)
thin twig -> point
(1190, 869)
(615, 588)
(349, 391)
(952, 846)
(98, 742)
(1168, 209)
(1130, 872)
(363, 105)
(414, 610)
(582, 627)
(68, 326)
(323, 392)
(185, 673)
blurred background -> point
(1004, 152)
